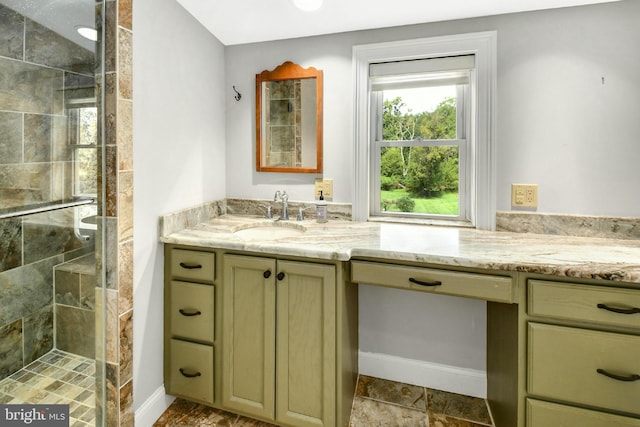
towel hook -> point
(238, 95)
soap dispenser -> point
(321, 209)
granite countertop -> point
(578, 257)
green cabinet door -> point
(306, 346)
(279, 340)
(248, 335)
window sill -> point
(422, 221)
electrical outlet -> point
(324, 185)
(524, 195)
(327, 189)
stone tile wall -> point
(284, 124)
(116, 217)
(75, 303)
(30, 248)
(39, 71)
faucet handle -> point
(299, 217)
(269, 211)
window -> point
(83, 136)
(424, 131)
(419, 146)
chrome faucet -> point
(284, 198)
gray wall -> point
(179, 161)
(558, 126)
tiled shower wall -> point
(117, 270)
(284, 125)
(74, 308)
(39, 71)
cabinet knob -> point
(266, 274)
(280, 276)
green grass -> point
(446, 204)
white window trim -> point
(484, 46)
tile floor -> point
(378, 403)
(57, 378)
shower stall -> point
(52, 316)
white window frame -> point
(73, 132)
(481, 153)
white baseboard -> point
(153, 407)
(465, 381)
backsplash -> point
(176, 221)
(185, 218)
(625, 228)
(335, 211)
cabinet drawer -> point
(192, 265)
(571, 364)
(192, 311)
(486, 287)
(607, 306)
(191, 370)
(545, 414)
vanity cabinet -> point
(279, 340)
(271, 338)
(583, 354)
(190, 324)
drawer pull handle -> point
(280, 276)
(422, 283)
(189, 313)
(189, 266)
(266, 274)
(187, 374)
(633, 310)
(625, 378)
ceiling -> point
(247, 21)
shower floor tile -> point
(57, 377)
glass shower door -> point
(51, 315)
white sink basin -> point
(270, 231)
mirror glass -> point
(289, 119)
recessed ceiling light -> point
(307, 5)
(87, 33)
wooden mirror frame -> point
(289, 71)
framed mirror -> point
(289, 119)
